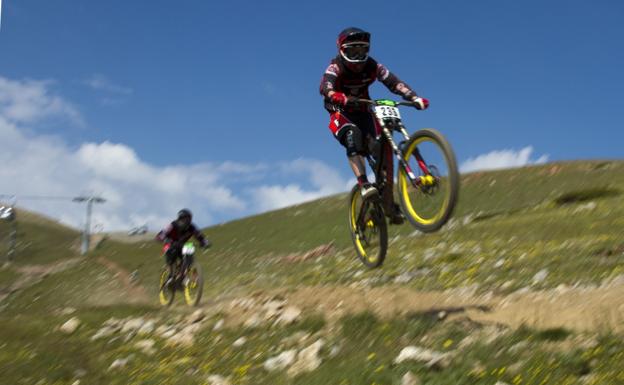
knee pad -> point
(353, 141)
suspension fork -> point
(421, 161)
(399, 154)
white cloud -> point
(30, 101)
(323, 180)
(502, 159)
(100, 82)
(136, 192)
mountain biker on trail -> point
(347, 78)
(176, 235)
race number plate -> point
(387, 112)
(188, 249)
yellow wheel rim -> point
(358, 243)
(189, 290)
(164, 300)
(405, 184)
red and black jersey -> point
(339, 78)
(173, 233)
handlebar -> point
(383, 102)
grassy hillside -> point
(523, 286)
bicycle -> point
(428, 182)
(187, 277)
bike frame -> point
(386, 138)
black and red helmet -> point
(185, 218)
(353, 45)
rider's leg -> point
(350, 136)
(170, 258)
(353, 141)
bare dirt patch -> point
(581, 309)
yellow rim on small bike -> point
(406, 187)
(193, 286)
(164, 294)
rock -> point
(507, 285)
(467, 341)
(618, 280)
(166, 332)
(280, 361)
(499, 263)
(67, 311)
(296, 339)
(104, 332)
(428, 357)
(184, 337)
(253, 322)
(430, 253)
(501, 383)
(113, 322)
(467, 219)
(518, 347)
(333, 352)
(291, 314)
(308, 359)
(403, 278)
(77, 382)
(410, 378)
(146, 346)
(197, 316)
(239, 342)
(273, 308)
(540, 276)
(147, 328)
(181, 339)
(70, 326)
(218, 325)
(589, 206)
(132, 325)
(562, 288)
(215, 379)
(120, 363)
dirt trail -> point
(32, 274)
(581, 309)
(135, 293)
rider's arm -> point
(328, 81)
(200, 237)
(394, 84)
(328, 86)
(164, 234)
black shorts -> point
(361, 119)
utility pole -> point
(86, 233)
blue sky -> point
(196, 84)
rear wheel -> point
(429, 202)
(193, 285)
(166, 292)
(368, 228)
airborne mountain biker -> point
(176, 235)
(348, 77)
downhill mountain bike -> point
(428, 182)
(187, 277)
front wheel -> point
(428, 196)
(167, 291)
(368, 228)
(193, 284)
